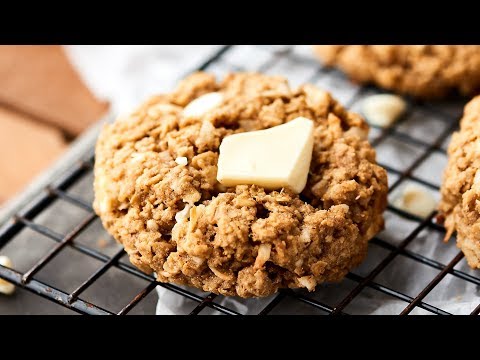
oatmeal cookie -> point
(460, 205)
(424, 71)
(175, 219)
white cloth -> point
(128, 74)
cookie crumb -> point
(383, 110)
(416, 200)
(102, 243)
(6, 288)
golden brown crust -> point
(425, 71)
(460, 203)
(242, 240)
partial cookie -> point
(156, 189)
(460, 203)
(424, 71)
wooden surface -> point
(43, 103)
(27, 147)
(41, 82)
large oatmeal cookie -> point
(425, 71)
(178, 221)
(460, 203)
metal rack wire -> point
(265, 59)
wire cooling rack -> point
(420, 138)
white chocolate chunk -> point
(181, 160)
(202, 105)
(383, 109)
(416, 200)
(273, 158)
(6, 287)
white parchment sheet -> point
(126, 75)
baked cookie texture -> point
(179, 222)
(424, 71)
(460, 205)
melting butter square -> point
(272, 158)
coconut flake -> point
(263, 255)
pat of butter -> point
(203, 104)
(273, 158)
